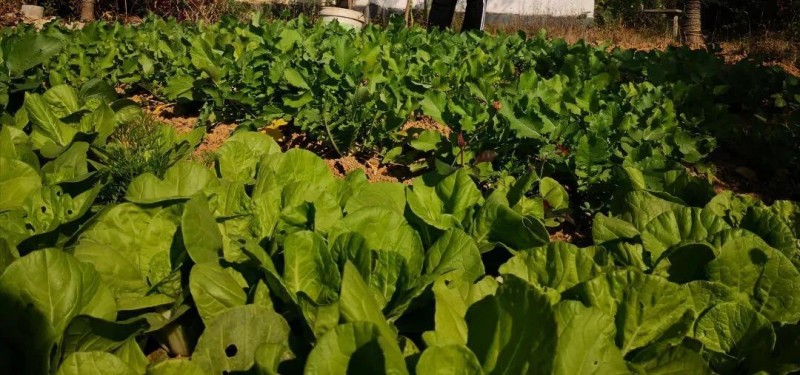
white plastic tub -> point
(346, 17)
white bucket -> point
(33, 12)
(346, 17)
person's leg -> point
(475, 16)
(441, 15)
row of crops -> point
(114, 246)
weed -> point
(135, 148)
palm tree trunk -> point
(692, 24)
(87, 10)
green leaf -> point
(85, 333)
(180, 182)
(47, 127)
(559, 265)
(670, 361)
(91, 363)
(309, 267)
(31, 50)
(685, 263)
(130, 248)
(357, 304)
(71, 166)
(680, 225)
(131, 354)
(17, 182)
(735, 329)
(295, 78)
(586, 341)
(647, 309)
(501, 333)
(174, 367)
(62, 100)
(229, 342)
(608, 228)
(448, 360)
(497, 223)
(199, 231)
(269, 356)
(554, 194)
(764, 274)
(203, 58)
(427, 140)
(444, 202)
(771, 228)
(39, 295)
(384, 230)
(214, 290)
(239, 156)
(640, 207)
(455, 251)
(353, 348)
(389, 195)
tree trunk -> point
(87, 10)
(692, 25)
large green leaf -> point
(670, 361)
(680, 225)
(199, 231)
(204, 58)
(586, 341)
(735, 329)
(94, 363)
(559, 265)
(496, 223)
(609, 228)
(455, 251)
(229, 342)
(85, 333)
(17, 182)
(214, 290)
(62, 100)
(309, 267)
(174, 367)
(71, 166)
(384, 230)
(355, 348)
(39, 295)
(357, 304)
(389, 195)
(640, 207)
(514, 331)
(130, 248)
(48, 129)
(448, 360)
(238, 157)
(764, 274)
(31, 50)
(180, 182)
(444, 202)
(647, 309)
(771, 228)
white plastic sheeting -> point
(555, 8)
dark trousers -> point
(441, 15)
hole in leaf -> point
(58, 193)
(242, 241)
(231, 350)
(44, 209)
(69, 212)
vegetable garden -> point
(122, 254)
